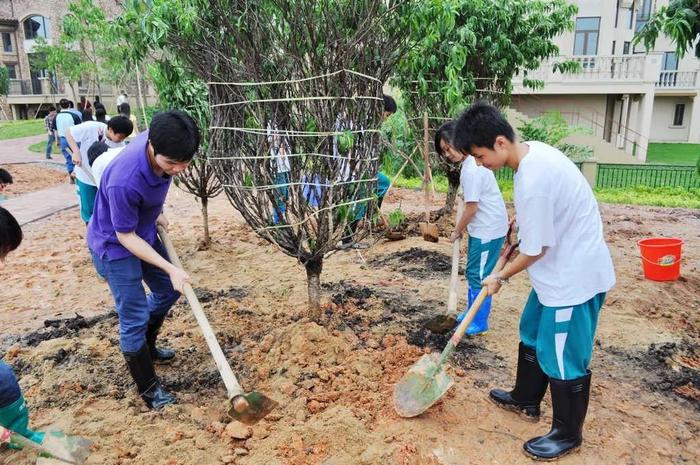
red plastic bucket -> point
(661, 258)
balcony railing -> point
(676, 79)
(593, 68)
(37, 86)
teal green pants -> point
(481, 259)
(562, 336)
(87, 194)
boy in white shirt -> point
(570, 269)
(486, 219)
(80, 138)
(99, 158)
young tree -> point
(680, 21)
(463, 50)
(4, 88)
(295, 95)
(180, 90)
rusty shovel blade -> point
(250, 408)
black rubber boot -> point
(569, 405)
(530, 386)
(158, 355)
(141, 369)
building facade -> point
(32, 88)
(623, 95)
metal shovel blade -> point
(441, 324)
(71, 449)
(250, 408)
(423, 385)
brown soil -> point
(334, 382)
(32, 177)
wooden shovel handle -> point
(233, 388)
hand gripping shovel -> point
(427, 381)
(248, 408)
(442, 324)
(56, 445)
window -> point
(626, 48)
(643, 15)
(35, 27)
(586, 39)
(670, 61)
(678, 114)
(7, 42)
(11, 71)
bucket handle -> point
(659, 264)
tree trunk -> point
(452, 190)
(313, 277)
(141, 100)
(205, 219)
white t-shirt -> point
(479, 185)
(556, 209)
(86, 134)
(100, 164)
(279, 149)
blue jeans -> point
(49, 145)
(67, 155)
(134, 308)
(9, 389)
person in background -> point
(51, 132)
(65, 119)
(80, 139)
(101, 113)
(121, 99)
(99, 157)
(484, 217)
(126, 111)
(73, 110)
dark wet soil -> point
(418, 263)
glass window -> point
(626, 48)
(11, 71)
(670, 61)
(586, 38)
(678, 114)
(35, 27)
(643, 15)
(7, 42)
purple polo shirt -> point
(130, 198)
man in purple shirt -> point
(125, 247)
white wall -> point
(580, 110)
(662, 129)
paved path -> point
(40, 204)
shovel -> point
(427, 381)
(248, 408)
(442, 324)
(56, 445)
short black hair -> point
(5, 176)
(125, 109)
(71, 104)
(95, 150)
(10, 233)
(52, 108)
(64, 103)
(100, 113)
(121, 125)
(174, 134)
(389, 104)
(444, 132)
(479, 126)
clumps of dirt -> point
(207, 295)
(677, 366)
(417, 263)
(64, 327)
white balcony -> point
(677, 80)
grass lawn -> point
(653, 196)
(40, 147)
(673, 154)
(21, 128)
